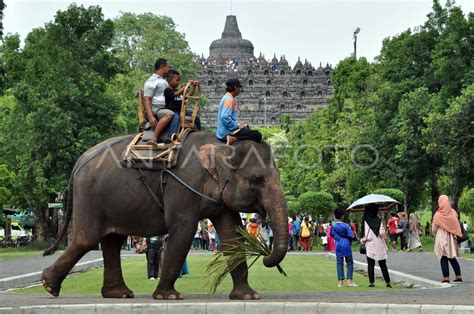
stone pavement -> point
(450, 299)
(422, 264)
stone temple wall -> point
(283, 90)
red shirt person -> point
(392, 225)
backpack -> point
(305, 230)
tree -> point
(278, 141)
(451, 133)
(396, 194)
(2, 70)
(285, 122)
(415, 162)
(388, 122)
(2, 7)
(317, 203)
(11, 63)
(6, 182)
(294, 208)
(391, 192)
(466, 203)
(138, 41)
(61, 103)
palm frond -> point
(234, 253)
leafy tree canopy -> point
(61, 106)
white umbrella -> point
(373, 199)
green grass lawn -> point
(17, 252)
(469, 256)
(305, 273)
(426, 216)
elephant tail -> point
(64, 229)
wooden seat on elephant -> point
(140, 153)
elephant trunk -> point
(274, 203)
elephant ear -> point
(217, 159)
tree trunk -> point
(434, 189)
(457, 193)
(408, 201)
(41, 226)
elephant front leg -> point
(225, 226)
(114, 286)
(179, 243)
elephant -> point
(109, 202)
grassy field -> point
(11, 253)
(426, 216)
(305, 273)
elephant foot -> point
(244, 293)
(118, 291)
(167, 295)
(49, 283)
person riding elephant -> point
(107, 202)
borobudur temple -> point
(271, 88)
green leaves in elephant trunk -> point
(236, 252)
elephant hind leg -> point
(114, 286)
(53, 276)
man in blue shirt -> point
(342, 233)
(227, 120)
(296, 233)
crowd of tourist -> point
(304, 230)
(232, 64)
(337, 236)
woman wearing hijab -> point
(414, 237)
(374, 239)
(445, 229)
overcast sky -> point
(318, 30)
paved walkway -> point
(424, 265)
(30, 264)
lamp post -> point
(357, 30)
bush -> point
(268, 132)
(466, 203)
(317, 203)
(294, 207)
